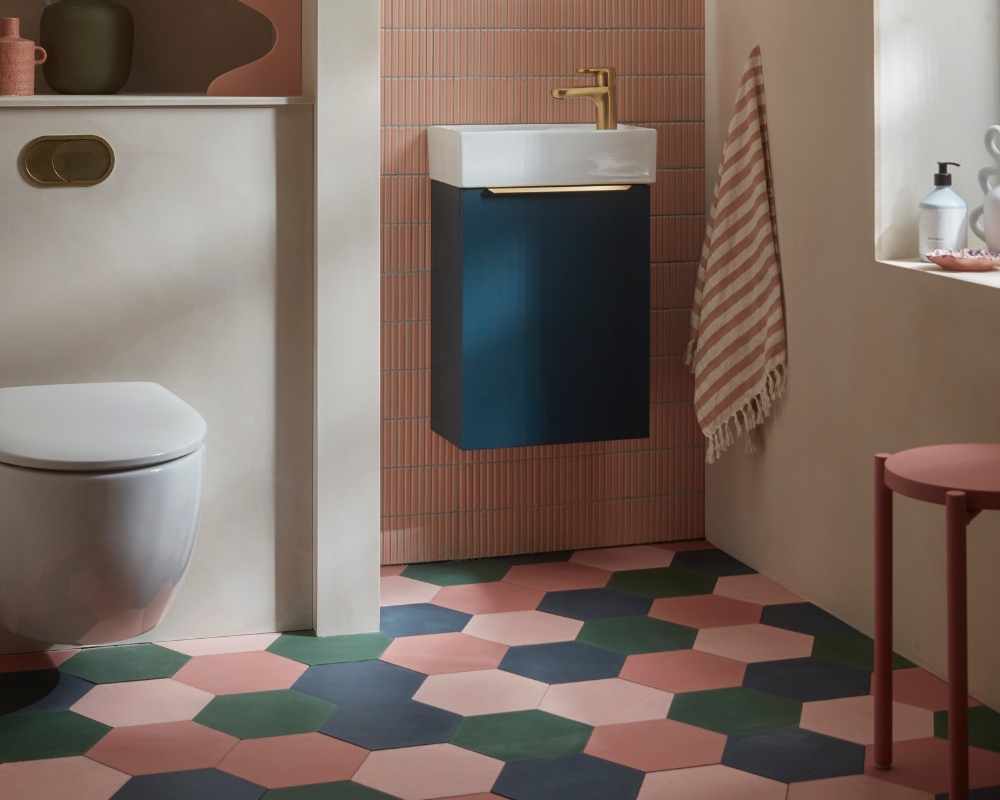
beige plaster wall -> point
(880, 358)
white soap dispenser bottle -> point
(944, 216)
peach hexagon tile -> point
(438, 653)
(918, 687)
(755, 589)
(222, 644)
(655, 745)
(296, 760)
(25, 662)
(399, 591)
(752, 643)
(141, 702)
(167, 747)
(428, 772)
(76, 778)
(488, 598)
(524, 627)
(685, 545)
(642, 556)
(235, 673)
(853, 719)
(853, 787)
(490, 691)
(557, 577)
(606, 702)
(391, 571)
(923, 764)
(706, 611)
(684, 671)
(715, 782)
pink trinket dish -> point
(965, 260)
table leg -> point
(958, 646)
(883, 617)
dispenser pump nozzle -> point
(943, 178)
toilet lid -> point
(96, 426)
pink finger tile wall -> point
(494, 61)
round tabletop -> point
(929, 473)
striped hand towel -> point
(737, 348)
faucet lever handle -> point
(605, 75)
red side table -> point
(965, 478)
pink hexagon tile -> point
(524, 627)
(490, 691)
(429, 772)
(752, 643)
(438, 653)
(684, 671)
(685, 545)
(399, 591)
(392, 571)
(923, 764)
(918, 687)
(606, 702)
(561, 576)
(854, 787)
(656, 745)
(141, 702)
(167, 747)
(641, 556)
(25, 662)
(755, 589)
(76, 778)
(706, 611)
(234, 673)
(714, 782)
(222, 644)
(853, 719)
(488, 598)
(297, 760)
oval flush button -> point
(67, 161)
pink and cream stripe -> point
(737, 348)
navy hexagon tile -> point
(40, 690)
(195, 784)
(792, 754)
(381, 726)
(359, 682)
(572, 777)
(807, 679)
(591, 604)
(421, 619)
(563, 662)
(804, 618)
(711, 562)
(989, 793)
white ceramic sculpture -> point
(985, 220)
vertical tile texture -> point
(490, 62)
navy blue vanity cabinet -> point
(540, 316)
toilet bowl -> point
(100, 499)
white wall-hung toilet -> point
(100, 498)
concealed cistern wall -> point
(494, 61)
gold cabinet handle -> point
(67, 161)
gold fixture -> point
(617, 187)
(67, 161)
(604, 94)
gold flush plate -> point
(67, 161)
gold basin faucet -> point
(604, 94)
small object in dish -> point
(965, 260)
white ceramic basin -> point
(484, 156)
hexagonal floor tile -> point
(715, 782)
(641, 556)
(853, 719)
(804, 618)
(40, 690)
(794, 754)
(134, 662)
(223, 644)
(490, 691)
(634, 635)
(234, 673)
(342, 790)
(49, 734)
(522, 734)
(656, 745)
(573, 777)
(142, 702)
(166, 747)
(488, 598)
(198, 784)
(917, 687)
(755, 589)
(853, 650)
(296, 760)
(444, 652)
(684, 545)
(524, 627)
(73, 778)
(391, 570)
(456, 573)
(588, 604)
(665, 582)
(923, 764)
(683, 671)
(562, 662)
(255, 715)
(853, 787)
(564, 576)
(23, 662)
(606, 702)
(735, 711)
(984, 727)
(314, 650)
(807, 679)
(421, 619)
(425, 773)
(359, 682)
(400, 591)
(705, 611)
(711, 562)
(383, 726)
(550, 557)
(752, 643)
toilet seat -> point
(92, 427)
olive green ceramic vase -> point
(89, 43)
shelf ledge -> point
(991, 278)
(147, 101)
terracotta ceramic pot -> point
(89, 43)
(18, 58)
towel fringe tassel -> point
(753, 414)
